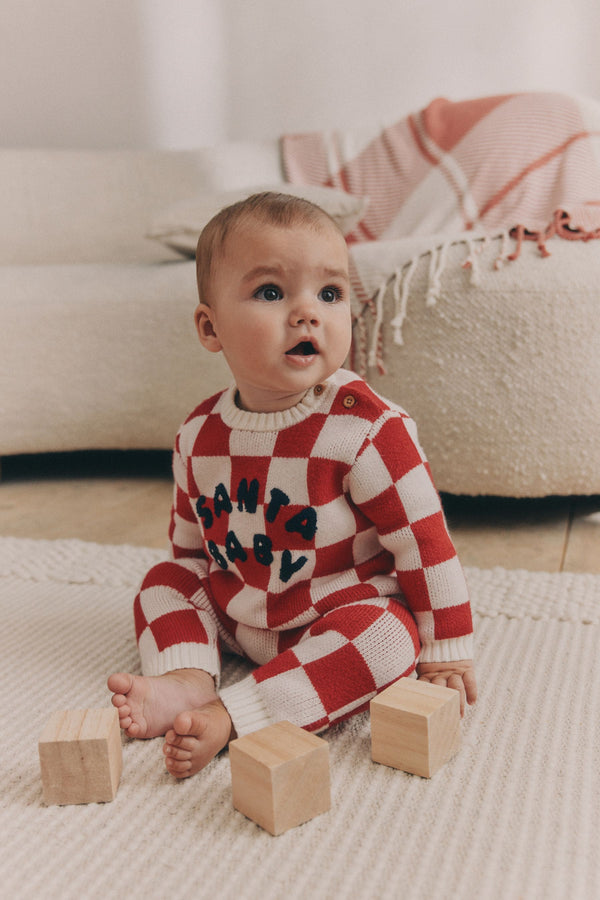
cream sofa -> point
(98, 349)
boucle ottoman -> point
(498, 361)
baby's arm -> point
(459, 675)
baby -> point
(307, 535)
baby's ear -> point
(204, 319)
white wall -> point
(185, 66)
(182, 73)
(322, 63)
(111, 73)
(70, 73)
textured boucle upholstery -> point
(502, 374)
(87, 206)
(100, 356)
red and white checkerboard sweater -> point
(313, 542)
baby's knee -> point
(384, 630)
(398, 644)
(167, 574)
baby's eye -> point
(330, 294)
(268, 292)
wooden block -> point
(280, 776)
(81, 756)
(415, 726)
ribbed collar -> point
(242, 420)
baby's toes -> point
(176, 752)
(183, 741)
(180, 768)
(123, 710)
(125, 719)
(188, 744)
(133, 729)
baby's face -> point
(280, 311)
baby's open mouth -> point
(304, 348)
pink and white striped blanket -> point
(524, 166)
(524, 163)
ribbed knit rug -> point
(514, 815)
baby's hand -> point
(459, 675)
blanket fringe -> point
(476, 248)
(503, 255)
(365, 356)
(376, 352)
(436, 270)
(399, 283)
(560, 226)
(401, 286)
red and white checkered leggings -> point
(313, 675)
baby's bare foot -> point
(148, 704)
(196, 738)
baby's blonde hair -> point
(269, 208)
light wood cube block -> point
(415, 726)
(81, 757)
(280, 776)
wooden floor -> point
(124, 498)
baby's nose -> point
(305, 311)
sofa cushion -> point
(179, 226)
(94, 206)
(100, 356)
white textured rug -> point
(514, 815)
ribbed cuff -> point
(448, 650)
(245, 706)
(182, 656)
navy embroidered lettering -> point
(222, 501)
(217, 555)
(247, 495)
(203, 512)
(278, 499)
(234, 549)
(263, 547)
(288, 566)
(304, 522)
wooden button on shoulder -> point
(349, 401)
(319, 388)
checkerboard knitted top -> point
(314, 507)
